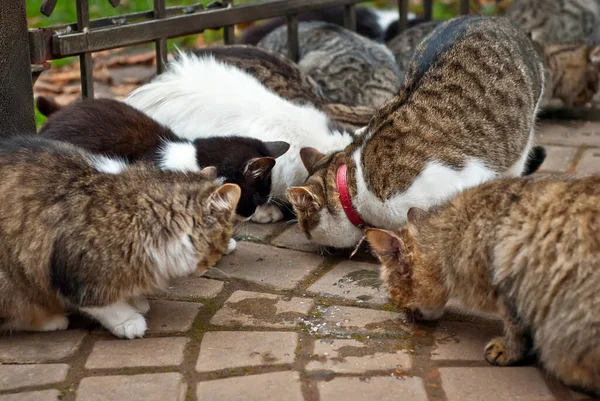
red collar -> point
(345, 199)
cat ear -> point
(386, 244)
(224, 200)
(209, 172)
(416, 216)
(277, 148)
(302, 198)
(310, 157)
(259, 167)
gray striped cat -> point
(349, 68)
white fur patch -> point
(120, 318)
(175, 259)
(386, 17)
(108, 165)
(178, 156)
(231, 246)
(267, 213)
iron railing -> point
(26, 53)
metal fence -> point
(25, 53)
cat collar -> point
(345, 199)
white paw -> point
(131, 328)
(141, 304)
(56, 322)
(231, 246)
(267, 213)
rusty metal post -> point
(160, 44)
(350, 17)
(403, 20)
(86, 66)
(292, 37)
(16, 87)
(428, 9)
(228, 30)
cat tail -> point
(352, 117)
(47, 106)
(535, 159)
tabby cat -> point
(349, 68)
(200, 96)
(114, 128)
(502, 248)
(282, 76)
(82, 232)
(465, 115)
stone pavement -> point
(279, 320)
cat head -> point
(574, 70)
(402, 262)
(247, 162)
(317, 204)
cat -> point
(367, 23)
(393, 29)
(200, 95)
(113, 128)
(524, 248)
(465, 115)
(89, 233)
(571, 68)
(349, 68)
(282, 76)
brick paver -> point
(279, 319)
(231, 349)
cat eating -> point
(465, 115)
(526, 249)
(89, 233)
(113, 128)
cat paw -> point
(133, 327)
(231, 246)
(56, 322)
(497, 353)
(141, 304)
(267, 213)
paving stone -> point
(192, 289)
(353, 281)
(558, 158)
(590, 162)
(374, 388)
(463, 341)
(572, 133)
(494, 384)
(171, 316)
(264, 387)
(293, 238)
(352, 356)
(229, 349)
(16, 376)
(40, 347)
(346, 320)
(144, 352)
(147, 387)
(44, 395)
(254, 309)
(263, 264)
(249, 231)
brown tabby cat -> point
(527, 249)
(464, 116)
(89, 233)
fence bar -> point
(292, 37)
(228, 30)
(428, 9)
(16, 87)
(350, 17)
(68, 44)
(160, 44)
(403, 20)
(86, 66)
(464, 7)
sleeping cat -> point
(571, 69)
(465, 115)
(199, 95)
(83, 232)
(282, 76)
(113, 128)
(524, 248)
(349, 68)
